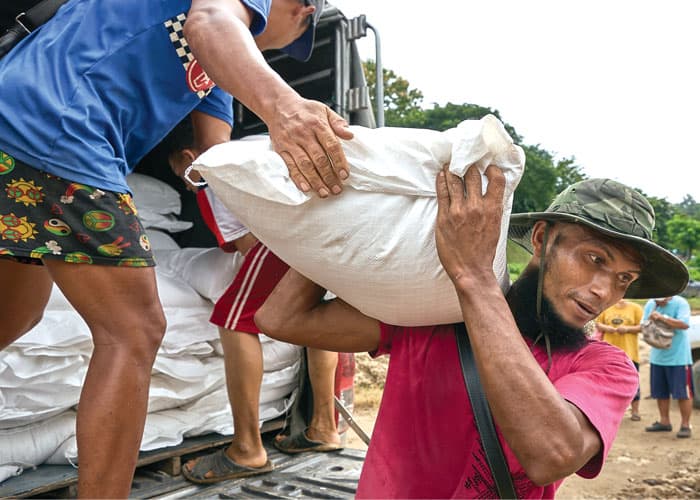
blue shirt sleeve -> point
(260, 10)
(218, 104)
(648, 308)
(682, 312)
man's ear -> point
(537, 237)
(180, 160)
(190, 155)
(305, 11)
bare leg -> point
(25, 291)
(664, 406)
(122, 309)
(686, 408)
(635, 407)
(244, 371)
(322, 365)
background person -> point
(83, 99)
(556, 397)
(233, 314)
(671, 369)
(620, 325)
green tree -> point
(450, 115)
(664, 211)
(544, 176)
(402, 104)
(684, 233)
(543, 179)
(689, 207)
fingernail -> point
(323, 192)
(336, 189)
(305, 186)
(343, 174)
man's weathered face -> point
(586, 272)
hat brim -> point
(663, 274)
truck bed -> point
(306, 475)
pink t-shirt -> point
(425, 443)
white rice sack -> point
(373, 245)
(33, 444)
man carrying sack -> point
(557, 398)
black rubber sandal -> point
(300, 443)
(223, 468)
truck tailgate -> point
(314, 475)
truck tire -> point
(696, 384)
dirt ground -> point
(640, 464)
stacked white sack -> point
(41, 374)
(373, 245)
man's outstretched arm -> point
(304, 132)
(296, 313)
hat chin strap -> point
(540, 285)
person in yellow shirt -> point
(620, 326)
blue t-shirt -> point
(679, 352)
(87, 95)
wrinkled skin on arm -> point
(467, 234)
(295, 313)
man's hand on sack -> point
(305, 134)
(469, 223)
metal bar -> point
(351, 421)
(379, 97)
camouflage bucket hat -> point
(621, 213)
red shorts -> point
(258, 276)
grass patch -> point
(517, 258)
(367, 398)
(694, 304)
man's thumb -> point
(339, 125)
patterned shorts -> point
(45, 217)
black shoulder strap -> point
(28, 21)
(39, 14)
(482, 416)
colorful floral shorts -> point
(45, 217)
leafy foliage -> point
(663, 210)
(689, 207)
(677, 226)
(402, 104)
(543, 179)
(684, 233)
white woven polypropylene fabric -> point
(373, 245)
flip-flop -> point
(223, 468)
(300, 442)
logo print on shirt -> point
(197, 80)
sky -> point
(614, 84)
